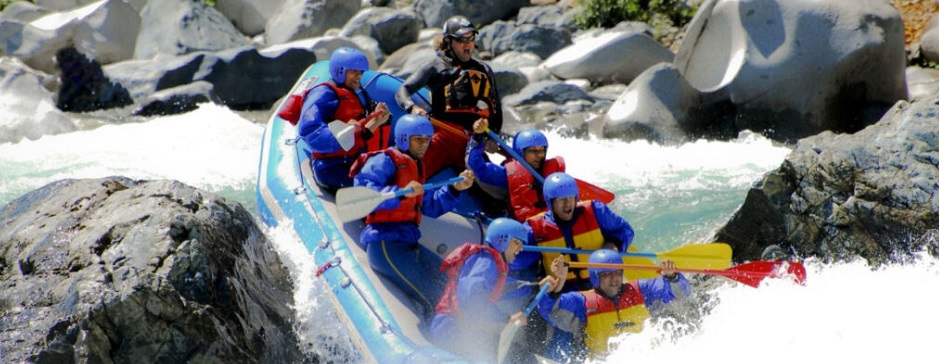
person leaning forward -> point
(391, 233)
(462, 90)
(342, 99)
(469, 318)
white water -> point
(671, 195)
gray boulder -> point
(607, 57)
(480, 12)
(116, 270)
(873, 194)
(176, 27)
(929, 41)
(655, 106)
(392, 29)
(796, 68)
(29, 108)
(406, 60)
(23, 12)
(547, 91)
(502, 36)
(84, 86)
(105, 31)
(249, 16)
(298, 19)
(922, 82)
(177, 100)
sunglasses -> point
(465, 40)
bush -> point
(608, 13)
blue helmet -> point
(344, 59)
(528, 138)
(559, 184)
(605, 256)
(502, 230)
(410, 125)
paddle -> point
(345, 133)
(696, 256)
(751, 273)
(587, 190)
(508, 333)
(357, 202)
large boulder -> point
(175, 27)
(796, 68)
(656, 107)
(105, 31)
(298, 19)
(249, 16)
(506, 36)
(480, 12)
(28, 107)
(607, 57)
(392, 29)
(116, 270)
(84, 87)
(873, 194)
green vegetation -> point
(607, 13)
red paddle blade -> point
(589, 191)
(753, 273)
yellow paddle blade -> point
(699, 256)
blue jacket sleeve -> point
(613, 227)
(477, 279)
(567, 312)
(661, 290)
(319, 106)
(487, 172)
(438, 202)
(375, 174)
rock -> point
(547, 91)
(796, 68)
(176, 27)
(105, 31)
(607, 57)
(501, 36)
(28, 107)
(249, 16)
(116, 270)
(84, 85)
(655, 106)
(392, 29)
(22, 12)
(480, 12)
(922, 82)
(300, 19)
(177, 100)
(872, 194)
(406, 60)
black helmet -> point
(457, 27)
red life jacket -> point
(449, 304)
(349, 108)
(606, 318)
(529, 201)
(406, 170)
(586, 233)
(293, 106)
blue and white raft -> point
(383, 327)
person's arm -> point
(420, 78)
(375, 174)
(615, 229)
(566, 312)
(666, 288)
(487, 172)
(319, 107)
(442, 200)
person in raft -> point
(524, 192)
(391, 232)
(341, 98)
(582, 322)
(469, 318)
